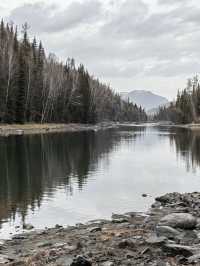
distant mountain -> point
(146, 99)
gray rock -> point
(70, 247)
(164, 199)
(154, 240)
(58, 226)
(59, 245)
(126, 243)
(94, 229)
(19, 237)
(168, 232)
(65, 261)
(194, 258)
(44, 244)
(130, 255)
(4, 260)
(175, 249)
(189, 236)
(157, 204)
(28, 226)
(107, 263)
(118, 218)
(144, 195)
(179, 220)
(81, 261)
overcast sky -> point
(130, 44)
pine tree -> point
(36, 88)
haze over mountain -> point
(147, 99)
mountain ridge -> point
(145, 98)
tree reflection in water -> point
(187, 143)
(32, 167)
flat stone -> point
(107, 263)
(44, 244)
(167, 231)
(118, 218)
(4, 260)
(19, 237)
(94, 229)
(175, 249)
(154, 240)
(59, 245)
(179, 220)
(65, 261)
(194, 258)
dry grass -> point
(33, 128)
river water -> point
(67, 178)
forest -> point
(36, 88)
(186, 108)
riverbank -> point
(29, 129)
(167, 235)
(191, 126)
(32, 129)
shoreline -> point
(186, 126)
(48, 128)
(32, 129)
(167, 235)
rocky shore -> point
(167, 235)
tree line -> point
(39, 88)
(186, 108)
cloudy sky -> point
(130, 44)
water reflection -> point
(74, 177)
(187, 143)
(32, 167)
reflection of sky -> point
(148, 164)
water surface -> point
(67, 178)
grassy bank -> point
(26, 129)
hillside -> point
(37, 88)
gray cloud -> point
(135, 22)
(122, 40)
(170, 68)
(173, 2)
(46, 18)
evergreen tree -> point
(36, 88)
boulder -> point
(168, 232)
(179, 220)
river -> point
(67, 178)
